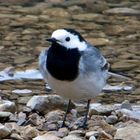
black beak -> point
(53, 40)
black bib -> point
(62, 63)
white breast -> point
(84, 87)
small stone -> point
(44, 18)
(5, 114)
(26, 109)
(92, 133)
(78, 122)
(22, 59)
(13, 127)
(63, 132)
(49, 127)
(123, 11)
(15, 1)
(110, 129)
(28, 19)
(114, 30)
(92, 138)
(100, 109)
(16, 136)
(75, 9)
(45, 103)
(111, 119)
(47, 137)
(77, 133)
(72, 137)
(4, 131)
(87, 17)
(57, 12)
(21, 118)
(126, 105)
(29, 132)
(99, 41)
(119, 114)
(54, 116)
(123, 65)
(22, 92)
(24, 100)
(13, 118)
(105, 136)
(8, 106)
(36, 119)
(131, 131)
(30, 31)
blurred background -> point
(111, 25)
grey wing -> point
(42, 64)
(93, 60)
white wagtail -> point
(73, 67)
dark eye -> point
(67, 39)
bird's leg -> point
(84, 124)
(86, 115)
(65, 116)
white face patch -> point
(73, 41)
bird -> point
(74, 68)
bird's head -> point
(68, 38)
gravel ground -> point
(112, 26)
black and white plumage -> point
(73, 67)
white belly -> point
(84, 87)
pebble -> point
(46, 103)
(5, 114)
(21, 118)
(57, 12)
(36, 119)
(22, 92)
(22, 59)
(99, 41)
(24, 100)
(92, 133)
(123, 65)
(112, 119)
(110, 129)
(7, 106)
(77, 133)
(29, 132)
(87, 17)
(126, 105)
(72, 137)
(54, 116)
(131, 131)
(63, 132)
(106, 136)
(4, 131)
(47, 137)
(75, 9)
(16, 136)
(49, 127)
(92, 138)
(123, 11)
(96, 109)
(13, 126)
